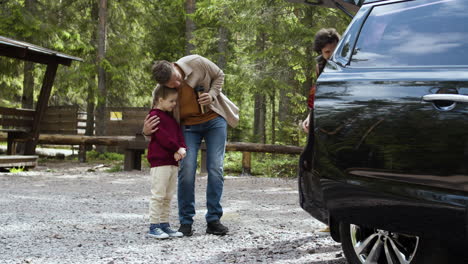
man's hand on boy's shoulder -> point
(150, 125)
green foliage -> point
(274, 165)
(233, 163)
(263, 164)
(115, 168)
(267, 51)
(94, 156)
(17, 169)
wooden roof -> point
(29, 52)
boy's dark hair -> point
(324, 37)
(162, 91)
(162, 71)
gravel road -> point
(65, 212)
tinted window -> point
(414, 33)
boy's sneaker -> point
(156, 232)
(166, 228)
(186, 229)
(216, 228)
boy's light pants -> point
(163, 186)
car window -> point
(346, 46)
(415, 33)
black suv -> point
(386, 163)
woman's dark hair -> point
(324, 37)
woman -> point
(325, 43)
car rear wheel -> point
(367, 245)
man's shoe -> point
(186, 229)
(156, 232)
(166, 228)
(216, 228)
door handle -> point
(446, 97)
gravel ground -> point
(65, 212)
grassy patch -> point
(115, 168)
(17, 169)
(94, 156)
(233, 163)
(274, 165)
(263, 164)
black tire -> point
(380, 245)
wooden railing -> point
(247, 149)
(60, 126)
(135, 146)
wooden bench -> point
(128, 121)
(125, 121)
(133, 150)
(12, 161)
(61, 120)
(17, 124)
(64, 120)
(61, 125)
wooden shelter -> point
(24, 124)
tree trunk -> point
(190, 7)
(223, 43)
(90, 111)
(102, 90)
(310, 71)
(273, 118)
(284, 105)
(259, 119)
(259, 134)
(27, 100)
(308, 20)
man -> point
(204, 112)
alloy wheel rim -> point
(380, 246)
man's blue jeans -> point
(215, 133)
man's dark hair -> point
(324, 37)
(162, 71)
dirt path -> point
(63, 213)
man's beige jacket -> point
(201, 71)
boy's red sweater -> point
(165, 141)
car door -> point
(310, 191)
(389, 147)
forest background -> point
(265, 48)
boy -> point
(166, 148)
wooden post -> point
(137, 159)
(132, 159)
(82, 153)
(11, 146)
(129, 160)
(41, 107)
(246, 164)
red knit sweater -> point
(165, 141)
